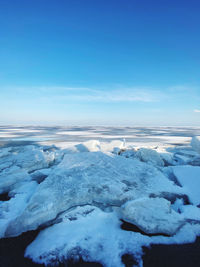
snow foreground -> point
(80, 196)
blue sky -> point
(114, 62)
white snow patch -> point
(95, 235)
(189, 178)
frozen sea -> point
(99, 196)
(66, 136)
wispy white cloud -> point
(93, 95)
(197, 110)
(122, 95)
(64, 94)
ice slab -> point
(10, 176)
(9, 210)
(195, 143)
(29, 158)
(152, 215)
(189, 178)
(150, 156)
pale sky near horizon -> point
(97, 62)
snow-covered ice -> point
(150, 156)
(195, 143)
(152, 215)
(91, 178)
(9, 210)
(80, 194)
(95, 235)
(89, 233)
(189, 178)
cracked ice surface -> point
(16, 165)
(17, 162)
(90, 178)
(80, 194)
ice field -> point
(79, 185)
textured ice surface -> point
(185, 155)
(150, 156)
(28, 158)
(40, 175)
(167, 158)
(195, 143)
(17, 162)
(81, 192)
(145, 155)
(9, 210)
(90, 178)
(152, 215)
(10, 176)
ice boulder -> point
(5, 151)
(88, 146)
(40, 175)
(150, 156)
(10, 176)
(17, 162)
(183, 155)
(9, 210)
(127, 153)
(152, 216)
(29, 158)
(90, 178)
(167, 158)
(195, 143)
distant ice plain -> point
(65, 136)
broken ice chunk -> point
(152, 216)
